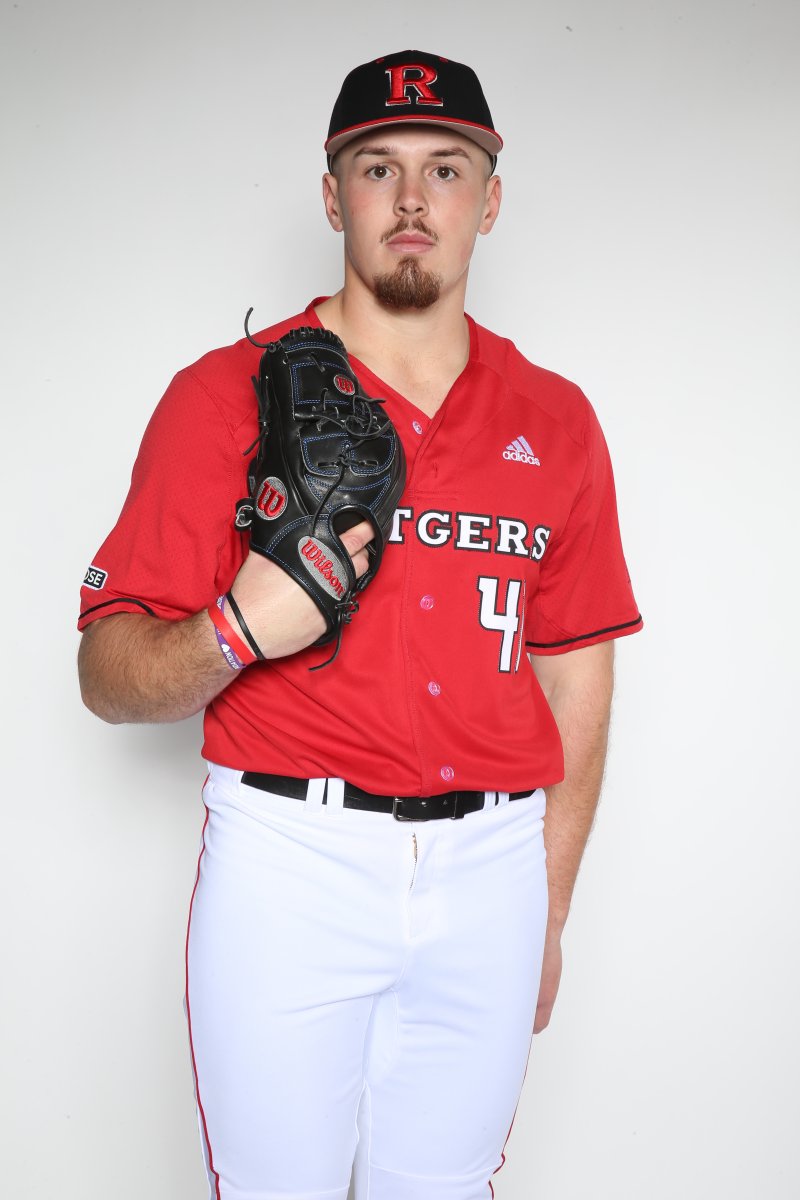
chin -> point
(408, 286)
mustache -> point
(404, 225)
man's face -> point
(410, 202)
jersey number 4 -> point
(505, 621)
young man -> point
(359, 986)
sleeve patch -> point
(95, 577)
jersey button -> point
(415, 425)
(427, 602)
(447, 774)
(433, 688)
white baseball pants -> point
(361, 989)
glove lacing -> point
(361, 425)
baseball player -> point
(391, 842)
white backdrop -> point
(162, 164)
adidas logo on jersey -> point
(520, 451)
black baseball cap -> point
(412, 87)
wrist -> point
(555, 924)
(236, 652)
(242, 624)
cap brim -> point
(486, 138)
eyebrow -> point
(388, 151)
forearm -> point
(571, 808)
(139, 668)
(142, 669)
(581, 706)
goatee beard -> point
(408, 286)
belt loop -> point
(315, 796)
(502, 798)
(335, 794)
(489, 799)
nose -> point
(410, 199)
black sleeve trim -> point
(119, 600)
(585, 636)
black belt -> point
(402, 808)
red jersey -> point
(505, 541)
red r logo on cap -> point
(400, 81)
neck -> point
(409, 341)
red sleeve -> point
(174, 544)
(584, 593)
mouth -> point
(410, 243)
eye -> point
(379, 171)
(445, 173)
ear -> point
(494, 194)
(330, 197)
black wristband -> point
(251, 641)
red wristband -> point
(236, 643)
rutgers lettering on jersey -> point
(473, 531)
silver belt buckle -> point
(399, 816)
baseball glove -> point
(328, 457)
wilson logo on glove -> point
(344, 385)
(317, 560)
(271, 499)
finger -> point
(355, 539)
(361, 562)
(542, 1019)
